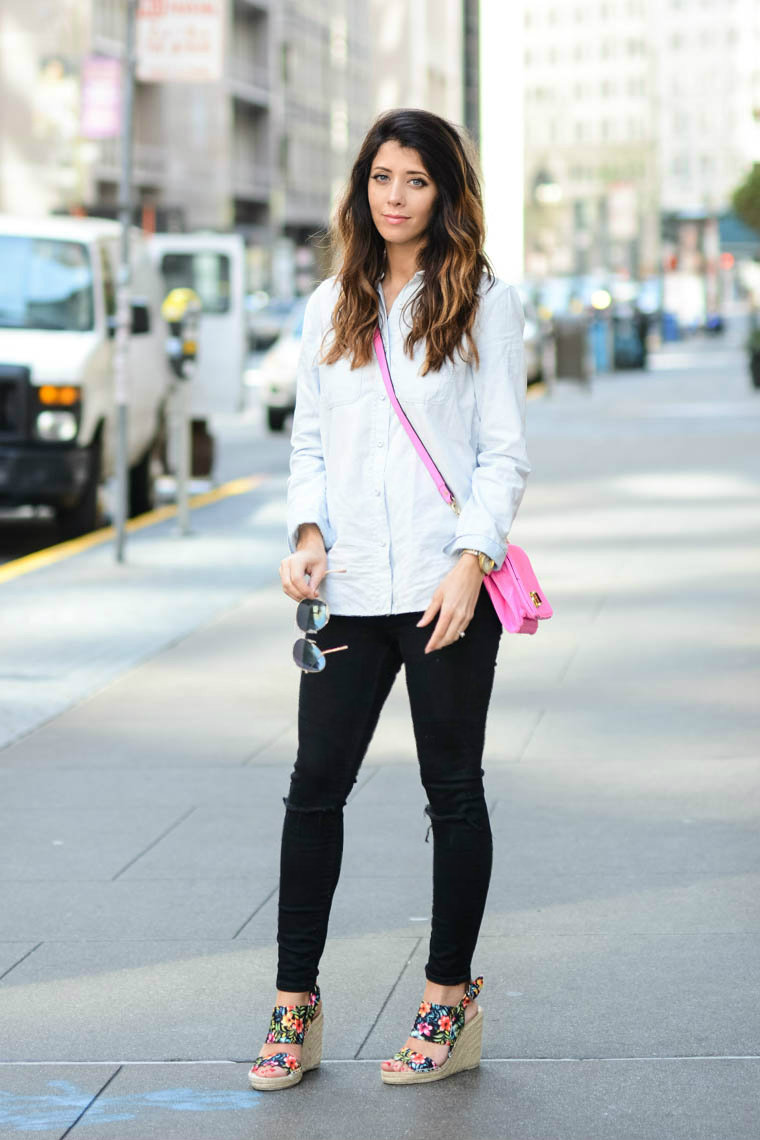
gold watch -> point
(486, 564)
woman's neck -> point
(401, 263)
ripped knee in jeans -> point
(473, 813)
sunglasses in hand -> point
(312, 615)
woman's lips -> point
(395, 219)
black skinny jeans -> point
(449, 692)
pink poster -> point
(101, 97)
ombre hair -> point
(443, 309)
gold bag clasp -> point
(536, 598)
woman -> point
(408, 583)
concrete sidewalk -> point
(150, 735)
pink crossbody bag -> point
(514, 590)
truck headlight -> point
(57, 427)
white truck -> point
(213, 265)
(57, 326)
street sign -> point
(180, 41)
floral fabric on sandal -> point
(288, 1024)
(439, 1024)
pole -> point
(183, 456)
(123, 311)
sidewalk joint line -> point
(252, 916)
(102, 1089)
(387, 999)
(363, 784)
(267, 743)
(163, 835)
(526, 742)
(21, 959)
(376, 1060)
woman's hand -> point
(310, 558)
(455, 598)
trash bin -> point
(600, 339)
(670, 327)
(628, 347)
(571, 341)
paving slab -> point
(42, 842)
(620, 994)
(130, 909)
(89, 1001)
(44, 1103)
(646, 1099)
(642, 902)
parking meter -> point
(181, 310)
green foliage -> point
(746, 199)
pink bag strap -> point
(443, 489)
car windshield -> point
(45, 284)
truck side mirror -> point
(140, 319)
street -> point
(148, 728)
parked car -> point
(534, 335)
(267, 322)
(57, 325)
(278, 369)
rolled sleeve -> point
(307, 483)
(500, 476)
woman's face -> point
(401, 194)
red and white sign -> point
(180, 41)
(101, 98)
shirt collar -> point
(419, 273)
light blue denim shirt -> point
(355, 473)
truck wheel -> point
(141, 498)
(84, 516)
(276, 418)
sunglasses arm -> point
(336, 650)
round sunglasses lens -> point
(311, 616)
(308, 656)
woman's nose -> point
(396, 195)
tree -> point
(746, 199)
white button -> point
(379, 443)
(382, 399)
(378, 491)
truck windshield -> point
(45, 284)
(205, 271)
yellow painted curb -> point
(63, 550)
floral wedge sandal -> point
(442, 1025)
(295, 1025)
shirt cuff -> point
(316, 517)
(477, 542)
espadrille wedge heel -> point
(442, 1024)
(295, 1025)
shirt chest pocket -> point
(338, 384)
(433, 388)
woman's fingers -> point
(447, 629)
(296, 585)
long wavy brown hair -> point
(443, 309)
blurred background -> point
(620, 146)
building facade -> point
(639, 114)
(261, 151)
